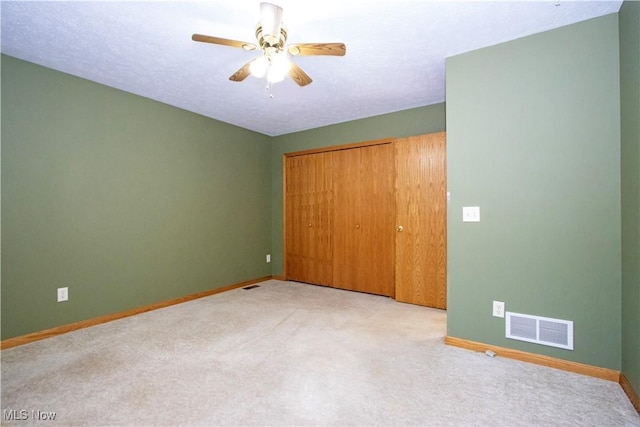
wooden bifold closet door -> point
(364, 219)
(370, 217)
(339, 219)
(309, 194)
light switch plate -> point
(471, 214)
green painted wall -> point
(629, 19)
(533, 131)
(130, 202)
(411, 122)
(124, 200)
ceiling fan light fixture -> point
(258, 68)
(274, 77)
(279, 67)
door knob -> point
(357, 225)
(400, 228)
(309, 225)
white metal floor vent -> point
(540, 330)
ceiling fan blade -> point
(242, 73)
(333, 49)
(299, 76)
(224, 42)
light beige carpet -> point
(291, 354)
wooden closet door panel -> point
(364, 219)
(379, 219)
(308, 199)
(421, 196)
(295, 217)
(346, 206)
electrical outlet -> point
(63, 294)
(498, 309)
(268, 257)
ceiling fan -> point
(274, 63)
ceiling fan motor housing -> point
(268, 41)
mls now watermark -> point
(26, 415)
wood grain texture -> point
(421, 198)
(364, 219)
(298, 75)
(221, 41)
(341, 147)
(242, 73)
(59, 330)
(308, 218)
(538, 359)
(630, 392)
(331, 49)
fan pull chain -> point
(270, 89)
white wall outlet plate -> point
(63, 294)
(471, 214)
(268, 257)
(498, 309)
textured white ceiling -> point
(395, 57)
